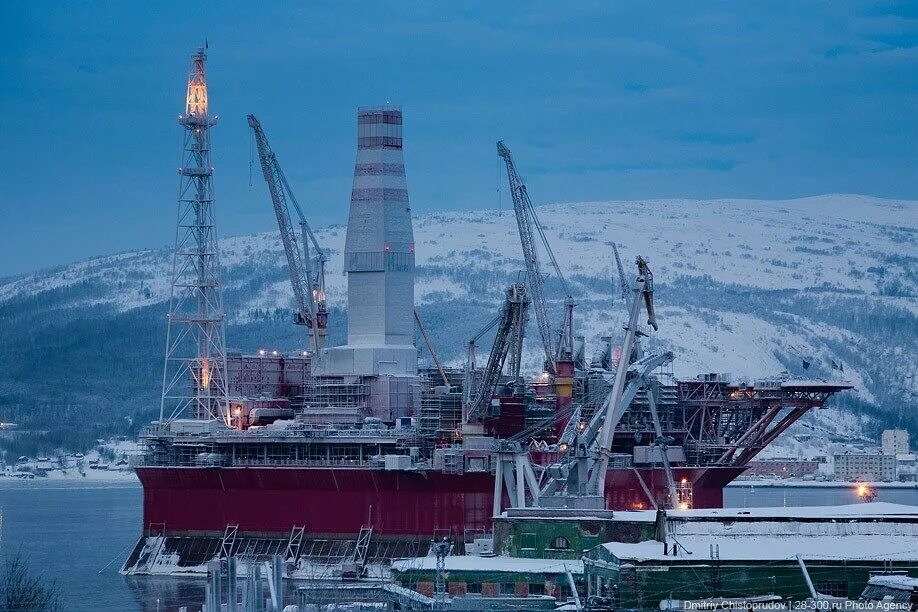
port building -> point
(703, 554)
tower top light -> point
(196, 99)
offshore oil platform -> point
(341, 458)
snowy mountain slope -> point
(847, 242)
(748, 287)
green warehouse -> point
(746, 553)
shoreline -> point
(100, 478)
(832, 484)
(104, 477)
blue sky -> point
(597, 101)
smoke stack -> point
(378, 255)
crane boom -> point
(306, 290)
(615, 406)
(512, 317)
(470, 359)
(430, 347)
(626, 287)
(321, 257)
(528, 225)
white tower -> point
(378, 256)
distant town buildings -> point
(870, 467)
(895, 442)
(784, 468)
(907, 467)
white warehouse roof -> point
(772, 548)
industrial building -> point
(784, 468)
(475, 576)
(705, 554)
(907, 467)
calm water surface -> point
(78, 534)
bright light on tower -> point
(196, 99)
(205, 373)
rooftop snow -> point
(469, 563)
(773, 548)
(895, 581)
(871, 510)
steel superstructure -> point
(378, 256)
(195, 337)
(507, 341)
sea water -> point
(77, 535)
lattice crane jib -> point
(194, 371)
(308, 287)
(623, 282)
(535, 282)
(509, 323)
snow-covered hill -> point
(747, 287)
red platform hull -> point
(336, 502)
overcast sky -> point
(640, 100)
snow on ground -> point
(433, 289)
(799, 243)
(109, 462)
(702, 347)
(781, 243)
(899, 547)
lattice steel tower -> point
(194, 379)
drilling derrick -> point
(194, 381)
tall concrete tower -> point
(378, 256)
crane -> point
(308, 282)
(430, 347)
(579, 478)
(615, 407)
(528, 225)
(626, 287)
(470, 359)
(511, 319)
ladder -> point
(156, 530)
(294, 544)
(362, 549)
(228, 541)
